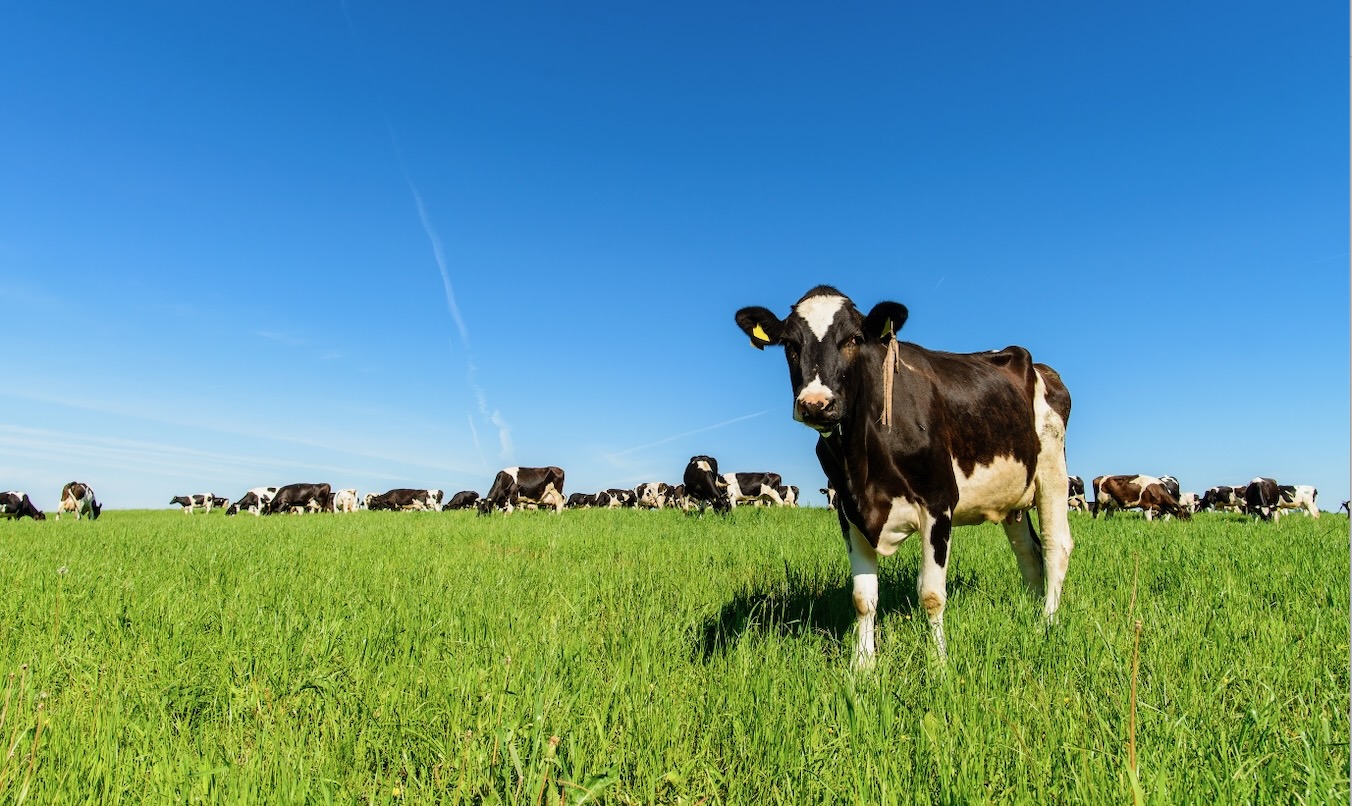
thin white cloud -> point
(674, 437)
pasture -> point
(650, 657)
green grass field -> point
(637, 657)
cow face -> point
(822, 338)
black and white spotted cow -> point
(1261, 499)
(1300, 497)
(405, 499)
(750, 487)
(1221, 498)
(652, 494)
(580, 501)
(1075, 495)
(517, 486)
(465, 499)
(916, 441)
(254, 501)
(1146, 493)
(1171, 484)
(830, 494)
(704, 487)
(15, 504)
(191, 502)
(78, 499)
(788, 493)
(301, 498)
(616, 498)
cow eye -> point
(856, 340)
(791, 350)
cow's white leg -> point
(933, 582)
(1028, 551)
(1149, 514)
(864, 571)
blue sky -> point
(383, 246)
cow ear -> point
(885, 320)
(763, 327)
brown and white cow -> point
(514, 487)
(1146, 493)
(16, 504)
(78, 499)
(465, 499)
(916, 441)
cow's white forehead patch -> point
(819, 312)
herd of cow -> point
(1261, 498)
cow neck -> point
(857, 437)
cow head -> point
(822, 338)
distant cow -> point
(917, 441)
(255, 501)
(830, 497)
(515, 486)
(788, 493)
(191, 502)
(465, 499)
(405, 499)
(1261, 499)
(746, 487)
(1221, 498)
(78, 498)
(15, 505)
(616, 498)
(301, 498)
(653, 494)
(1188, 501)
(1299, 497)
(1075, 494)
(581, 501)
(346, 500)
(1147, 493)
(1171, 484)
(703, 486)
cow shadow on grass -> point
(802, 604)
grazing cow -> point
(788, 493)
(746, 487)
(678, 499)
(16, 504)
(919, 441)
(1221, 499)
(1261, 499)
(616, 498)
(1075, 494)
(254, 501)
(1298, 497)
(346, 501)
(653, 494)
(703, 486)
(830, 494)
(405, 499)
(581, 501)
(78, 499)
(465, 499)
(1171, 484)
(1189, 502)
(515, 486)
(1147, 493)
(295, 498)
(190, 502)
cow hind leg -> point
(1023, 539)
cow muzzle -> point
(819, 411)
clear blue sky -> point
(386, 246)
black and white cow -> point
(788, 493)
(1221, 498)
(299, 498)
(465, 499)
(346, 500)
(748, 487)
(1262, 498)
(255, 501)
(405, 499)
(1346, 506)
(16, 504)
(830, 494)
(916, 441)
(1147, 493)
(515, 486)
(1171, 484)
(78, 498)
(653, 494)
(581, 501)
(1075, 494)
(616, 498)
(703, 486)
(1298, 497)
(191, 502)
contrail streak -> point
(686, 434)
(440, 257)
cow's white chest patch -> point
(819, 313)
(991, 491)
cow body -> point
(78, 499)
(916, 441)
(254, 501)
(514, 487)
(1221, 499)
(752, 487)
(192, 502)
(653, 494)
(1146, 493)
(299, 498)
(1299, 497)
(405, 499)
(1075, 494)
(465, 499)
(1261, 499)
(703, 486)
(616, 498)
(16, 504)
(346, 500)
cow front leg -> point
(864, 572)
(933, 583)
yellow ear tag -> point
(759, 333)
